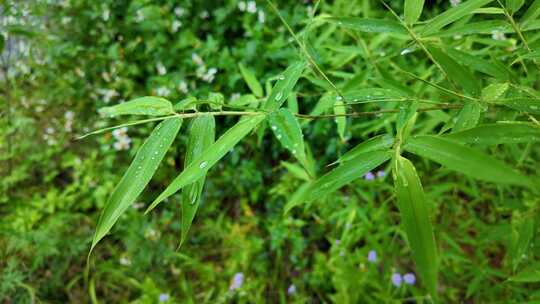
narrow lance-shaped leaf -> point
(137, 176)
(498, 133)
(369, 25)
(416, 222)
(342, 175)
(524, 104)
(531, 13)
(201, 164)
(284, 86)
(451, 15)
(251, 81)
(413, 10)
(468, 116)
(379, 142)
(456, 72)
(149, 105)
(287, 130)
(341, 120)
(201, 136)
(522, 235)
(466, 160)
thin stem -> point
(368, 113)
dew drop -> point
(281, 77)
(274, 128)
(278, 96)
(203, 165)
(338, 98)
(278, 136)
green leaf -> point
(216, 100)
(468, 161)
(344, 174)
(288, 132)
(413, 10)
(455, 71)
(137, 176)
(492, 68)
(531, 13)
(251, 81)
(201, 164)
(201, 136)
(416, 222)
(284, 86)
(494, 91)
(297, 197)
(149, 105)
(468, 116)
(341, 121)
(481, 27)
(530, 275)
(514, 5)
(376, 143)
(188, 103)
(451, 15)
(369, 25)
(498, 133)
(524, 104)
(522, 235)
(295, 170)
(2, 43)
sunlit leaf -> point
(416, 222)
(379, 142)
(251, 81)
(457, 157)
(137, 176)
(413, 10)
(201, 136)
(201, 164)
(149, 105)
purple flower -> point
(396, 279)
(409, 278)
(164, 297)
(369, 176)
(337, 242)
(372, 256)
(381, 174)
(292, 289)
(237, 281)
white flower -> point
(455, 3)
(242, 6)
(66, 20)
(210, 75)
(162, 70)
(69, 115)
(292, 289)
(106, 14)
(122, 143)
(124, 261)
(204, 15)
(183, 87)
(151, 234)
(198, 60)
(179, 12)
(260, 16)
(163, 91)
(49, 131)
(120, 132)
(235, 96)
(140, 16)
(498, 35)
(108, 95)
(176, 25)
(251, 7)
(79, 72)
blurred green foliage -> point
(64, 60)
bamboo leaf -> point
(468, 116)
(522, 235)
(341, 121)
(251, 81)
(530, 275)
(284, 86)
(344, 174)
(452, 14)
(480, 27)
(524, 104)
(201, 164)
(413, 10)
(376, 143)
(494, 91)
(137, 176)
(531, 13)
(288, 132)
(492, 68)
(369, 25)
(149, 105)
(468, 161)
(416, 222)
(498, 133)
(514, 5)
(201, 136)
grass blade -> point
(201, 164)
(466, 160)
(413, 10)
(137, 176)
(201, 136)
(416, 222)
(149, 105)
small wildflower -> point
(106, 14)
(396, 279)
(369, 176)
(66, 20)
(179, 11)
(242, 6)
(151, 234)
(69, 115)
(204, 15)
(183, 87)
(139, 16)
(372, 256)
(337, 242)
(209, 75)
(455, 3)
(122, 144)
(291, 290)
(138, 206)
(235, 96)
(176, 25)
(237, 281)
(261, 17)
(197, 59)
(162, 70)
(381, 174)
(251, 7)
(120, 132)
(163, 91)
(108, 95)
(409, 278)
(124, 261)
(498, 35)
(164, 297)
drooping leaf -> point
(456, 72)
(452, 14)
(468, 116)
(201, 136)
(344, 174)
(251, 81)
(369, 25)
(471, 162)
(149, 105)
(489, 67)
(379, 142)
(498, 133)
(201, 164)
(416, 222)
(340, 119)
(137, 176)
(284, 86)
(413, 10)
(288, 132)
